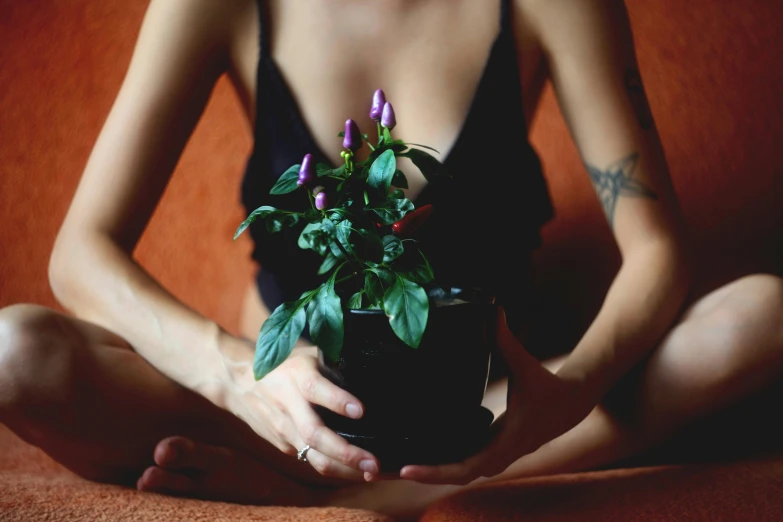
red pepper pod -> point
(411, 221)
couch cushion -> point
(33, 487)
(745, 490)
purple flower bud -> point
(317, 190)
(321, 201)
(388, 119)
(378, 100)
(353, 138)
(306, 171)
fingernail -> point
(172, 454)
(368, 466)
(353, 410)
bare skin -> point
(170, 387)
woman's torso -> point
(428, 56)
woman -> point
(134, 387)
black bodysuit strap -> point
(263, 28)
(505, 16)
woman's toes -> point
(183, 453)
(169, 451)
(159, 480)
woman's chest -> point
(429, 58)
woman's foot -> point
(192, 469)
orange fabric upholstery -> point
(33, 487)
(61, 65)
(714, 80)
(749, 490)
(711, 74)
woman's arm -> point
(590, 52)
(179, 55)
(591, 59)
(183, 48)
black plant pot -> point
(422, 406)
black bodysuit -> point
(487, 215)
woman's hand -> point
(280, 408)
(541, 406)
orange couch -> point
(713, 74)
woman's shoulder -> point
(555, 20)
(206, 26)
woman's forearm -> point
(98, 281)
(643, 301)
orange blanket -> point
(33, 487)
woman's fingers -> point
(285, 398)
(331, 446)
(331, 468)
(319, 390)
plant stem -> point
(346, 278)
(346, 254)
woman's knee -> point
(39, 349)
(733, 349)
(748, 327)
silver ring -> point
(301, 455)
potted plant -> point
(415, 353)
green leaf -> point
(322, 169)
(276, 222)
(407, 306)
(422, 146)
(317, 236)
(305, 238)
(382, 171)
(336, 214)
(325, 170)
(392, 210)
(397, 194)
(373, 288)
(355, 302)
(343, 231)
(376, 281)
(327, 227)
(325, 317)
(342, 235)
(260, 212)
(278, 336)
(427, 164)
(341, 134)
(329, 262)
(399, 180)
(421, 273)
(387, 135)
(312, 215)
(392, 248)
(287, 181)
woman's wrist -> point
(233, 369)
(233, 373)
